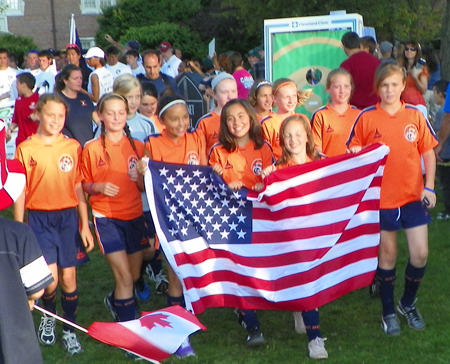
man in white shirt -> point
(171, 62)
(113, 65)
(7, 75)
(45, 80)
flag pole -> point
(48, 313)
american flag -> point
(310, 236)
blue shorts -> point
(405, 217)
(150, 225)
(57, 233)
(116, 235)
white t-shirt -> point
(14, 92)
(105, 81)
(138, 70)
(45, 81)
(7, 77)
(170, 67)
(119, 69)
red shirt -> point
(23, 108)
(362, 66)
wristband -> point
(430, 190)
(89, 189)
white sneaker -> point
(46, 331)
(317, 348)
(298, 322)
(71, 343)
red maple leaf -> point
(150, 321)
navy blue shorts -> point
(57, 233)
(116, 235)
(150, 225)
(408, 216)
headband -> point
(283, 84)
(263, 83)
(170, 104)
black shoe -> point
(255, 337)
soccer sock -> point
(312, 325)
(173, 301)
(413, 277)
(250, 319)
(49, 301)
(126, 309)
(386, 280)
(156, 263)
(69, 304)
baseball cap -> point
(219, 78)
(12, 174)
(253, 53)
(165, 46)
(385, 47)
(134, 44)
(207, 64)
(73, 46)
(94, 52)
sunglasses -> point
(410, 49)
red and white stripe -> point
(315, 238)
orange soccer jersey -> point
(291, 163)
(160, 126)
(189, 150)
(271, 133)
(408, 135)
(209, 124)
(331, 130)
(112, 165)
(244, 164)
(52, 171)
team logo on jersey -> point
(257, 166)
(33, 106)
(411, 133)
(330, 129)
(192, 158)
(32, 162)
(65, 163)
(132, 162)
(228, 165)
(101, 162)
(377, 135)
(83, 102)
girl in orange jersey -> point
(176, 145)
(53, 197)
(109, 168)
(404, 200)
(286, 98)
(261, 98)
(331, 124)
(297, 144)
(240, 157)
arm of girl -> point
(267, 171)
(19, 208)
(95, 88)
(106, 188)
(429, 161)
(85, 232)
(217, 168)
(421, 80)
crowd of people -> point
(85, 122)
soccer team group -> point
(239, 133)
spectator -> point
(114, 66)
(74, 57)
(7, 75)
(369, 45)
(386, 52)
(243, 78)
(132, 61)
(170, 60)
(100, 80)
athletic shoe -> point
(240, 317)
(412, 315)
(162, 283)
(130, 355)
(255, 337)
(316, 348)
(298, 322)
(390, 324)
(109, 304)
(443, 216)
(46, 331)
(141, 290)
(374, 289)
(185, 349)
(71, 343)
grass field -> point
(351, 324)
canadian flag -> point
(155, 336)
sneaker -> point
(443, 216)
(71, 343)
(390, 324)
(185, 349)
(298, 322)
(141, 290)
(109, 304)
(46, 331)
(316, 348)
(412, 315)
(162, 283)
(130, 355)
(240, 317)
(255, 337)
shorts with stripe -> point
(405, 217)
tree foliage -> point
(17, 44)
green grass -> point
(351, 324)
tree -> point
(445, 44)
(17, 44)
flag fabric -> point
(155, 336)
(310, 236)
(12, 174)
(73, 33)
